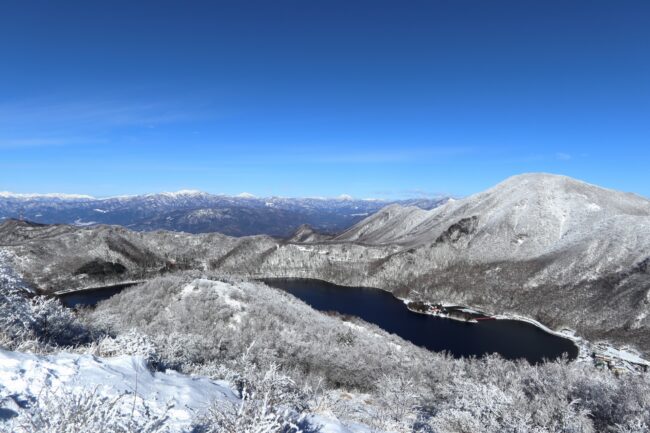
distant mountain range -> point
(199, 212)
(561, 251)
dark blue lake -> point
(90, 298)
(512, 339)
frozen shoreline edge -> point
(587, 350)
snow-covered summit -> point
(55, 196)
(181, 193)
(196, 211)
(523, 217)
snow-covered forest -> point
(337, 216)
(192, 353)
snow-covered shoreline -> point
(617, 359)
(588, 350)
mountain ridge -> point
(198, 212)
(565, 253)
(511, 198)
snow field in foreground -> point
(26, 377)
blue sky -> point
(318, 98)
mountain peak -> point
(53, 195)
(543, 208)
(183, 193)
(549, 180)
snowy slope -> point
(24, 378)
(386, 226)
(49, 196)
(524, 217)
(564, 252)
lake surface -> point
(92, 297)
(512, 339)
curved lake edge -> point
(89, 296)
(616, 358)
(582, 345)
(603, 352)
(565, 333)
(461, 337)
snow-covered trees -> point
(84, 411)
(270, 402)
(204, 327)
(28, 320)
(128, 343)
(398, 399)
(55, 324)
(274, 351)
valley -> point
(200, 212)
(524, 254)
(561, 252)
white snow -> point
(180, 193)
(55, 195)
(625, 355)
(587, 231)
(25, 377)
(79, 222)
(246, 195)
(331, 425)
(202, 285)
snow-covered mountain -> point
(523, 217)
(555, 249)
(197, 212)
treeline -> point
(359, 372)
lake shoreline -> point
(523, 340)
(600, 353)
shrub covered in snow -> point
(370, 376)
(129, 343)
(285, 360)
(53, 323)
(84, 411)
(28, 321)
(268, 403)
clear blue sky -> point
(305, 98)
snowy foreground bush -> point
(265, 362)
(84, 411)
(69, 392)
(34, 322)
(358, 372)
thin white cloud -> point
(19, 143)
(87, 113)
(412, 194)
(381, 156)
(48, 122)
